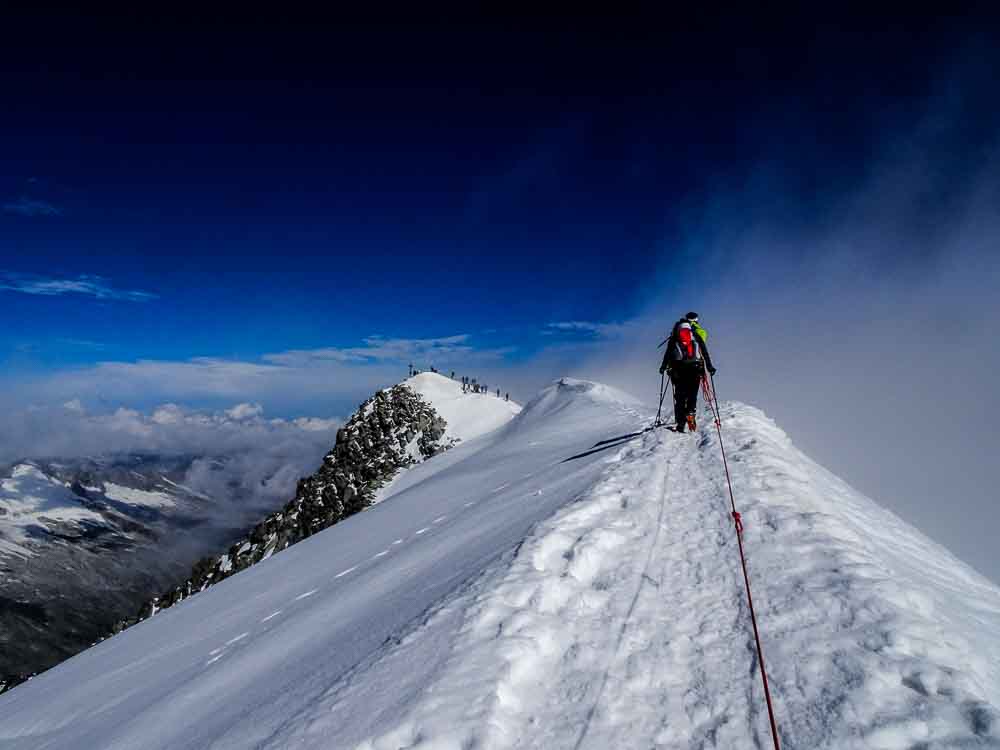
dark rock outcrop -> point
(390, 431)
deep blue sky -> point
(297, 183)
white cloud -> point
(81, 344)
(379, 349)
(87, 285)
(168, 414)
(24, 206)
(74, 405)
(601, 330)
(245, 411)
(295, 381)
(315, 424)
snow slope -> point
(502, 596)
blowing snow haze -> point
(865, 326)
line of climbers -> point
(685, 362)
(469, 385)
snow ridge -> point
(621, 621)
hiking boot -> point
(691, 422)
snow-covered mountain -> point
(84, 541)
(394, 429)
(529, 588)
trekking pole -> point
(663, 392)
(708, 383)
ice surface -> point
(503, 597)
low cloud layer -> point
(241, 452)
(324, 380)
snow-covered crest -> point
(468, 415)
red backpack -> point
(686, 348)
(687, 343)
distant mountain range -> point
(84, 541)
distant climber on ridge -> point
(685, 362)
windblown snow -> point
(502, 596)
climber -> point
(685, 362)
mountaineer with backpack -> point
(685, 362)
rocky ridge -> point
(393, 429)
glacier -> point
(501, 596)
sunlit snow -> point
(134, 496)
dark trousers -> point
(686, 380)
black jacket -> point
(670, 344)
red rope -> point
(713, 403)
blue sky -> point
(295, 188)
